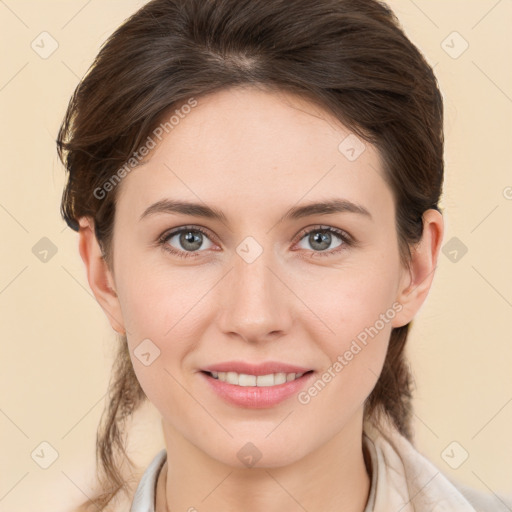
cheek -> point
(163, 311)
(158, 300)
(354, 312)
(359, 312)
(350, 302)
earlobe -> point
(414, 289)
(98, 274)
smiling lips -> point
(256, 386)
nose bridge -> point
(255, 299)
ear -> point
(415, 285)
(99, 276)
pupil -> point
(189, 238)
(322, 238)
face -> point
(265, 281)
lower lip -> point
(255, 397)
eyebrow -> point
(328, 207)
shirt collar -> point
(401, 477)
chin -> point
(258, 452)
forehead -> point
(256, 149)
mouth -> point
(262, 391)
(248, 380)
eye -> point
(320, 239)
(188, 241)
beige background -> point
(57, 343)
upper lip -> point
(265, 368)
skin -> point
(254, 154)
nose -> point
(255, 301)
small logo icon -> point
(146, 352)
(44, 250)
(454, 249)
(249, 249)
(454, 45)
(454, 455)
(44, 455)
(44, 45)
(249, 455)
(351, 147)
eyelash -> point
(347, 240)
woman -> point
(255, 184)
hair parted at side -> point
(349, 56)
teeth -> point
(265, 380)
(243, 379)
(232, 378)
(246, 380)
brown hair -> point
(349, 56)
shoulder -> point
(484, 501)
(144, 497)
(401, 455)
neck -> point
(332, 478)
